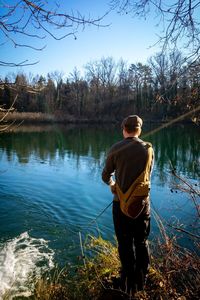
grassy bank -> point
(59, 117)
(174, 274)
(29, 117)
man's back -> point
(127, 158)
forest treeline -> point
(163, 88)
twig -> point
(183, 230)
(185, 182)
(82, 252)
(160, 225)
(192, 190)
(10, 109)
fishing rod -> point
(157, 218)
(99, 215)
(84, 227)
(172, 121)
(146, 135)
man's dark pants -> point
(133, 248)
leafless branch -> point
(35, 20)
(184, 231)
(20, 64)
(9, 110)
(180, 21)
(192, 191)
(173, 170)
(8, 126)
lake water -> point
(51, 189)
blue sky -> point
(126, 37)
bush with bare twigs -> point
(174, 274)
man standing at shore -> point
(130, 161)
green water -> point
(51, 188)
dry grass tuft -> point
(174, 275)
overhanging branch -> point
(25, 17)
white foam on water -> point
(22, 260)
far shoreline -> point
(38, 118)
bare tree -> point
(179, 20)
(34, 20)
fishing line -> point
(99, 215)
(172, 122)
(80, 228)
(90, 223)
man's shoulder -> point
(145, 143)
(124, 143)
(148, 145)
(117, 145)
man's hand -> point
(113, 188)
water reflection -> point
(52, 181)
(178, 145)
